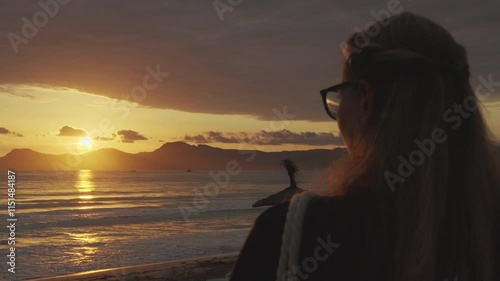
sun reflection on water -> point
(85, 185)
(87, 248)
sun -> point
(86, 142)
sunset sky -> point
(131, 76)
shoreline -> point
(192, 269)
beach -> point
(192, 269)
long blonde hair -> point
(437, 218)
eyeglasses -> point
(331, 97)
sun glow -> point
(86, 142)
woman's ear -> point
(367, 101)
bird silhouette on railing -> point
(287, 193)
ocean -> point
(87, 220)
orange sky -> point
(56, 120)
(132, 76)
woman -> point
(416, 197)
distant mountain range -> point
(170, 156)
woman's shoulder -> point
(274, 213)
(321, 211)
(278, 212)
(331, 234)
(323, 216)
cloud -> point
(196, 139)
(101, 138)
(5, 131)
(10, 90)
(219, 137)
(267, 138)
(130, 136)
(68, 131)
(264, 55)
(125, 136)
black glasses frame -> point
(334, 89)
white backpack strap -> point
(292, 234)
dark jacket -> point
(335, 244)
(331, 246)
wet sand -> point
(192, 269)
